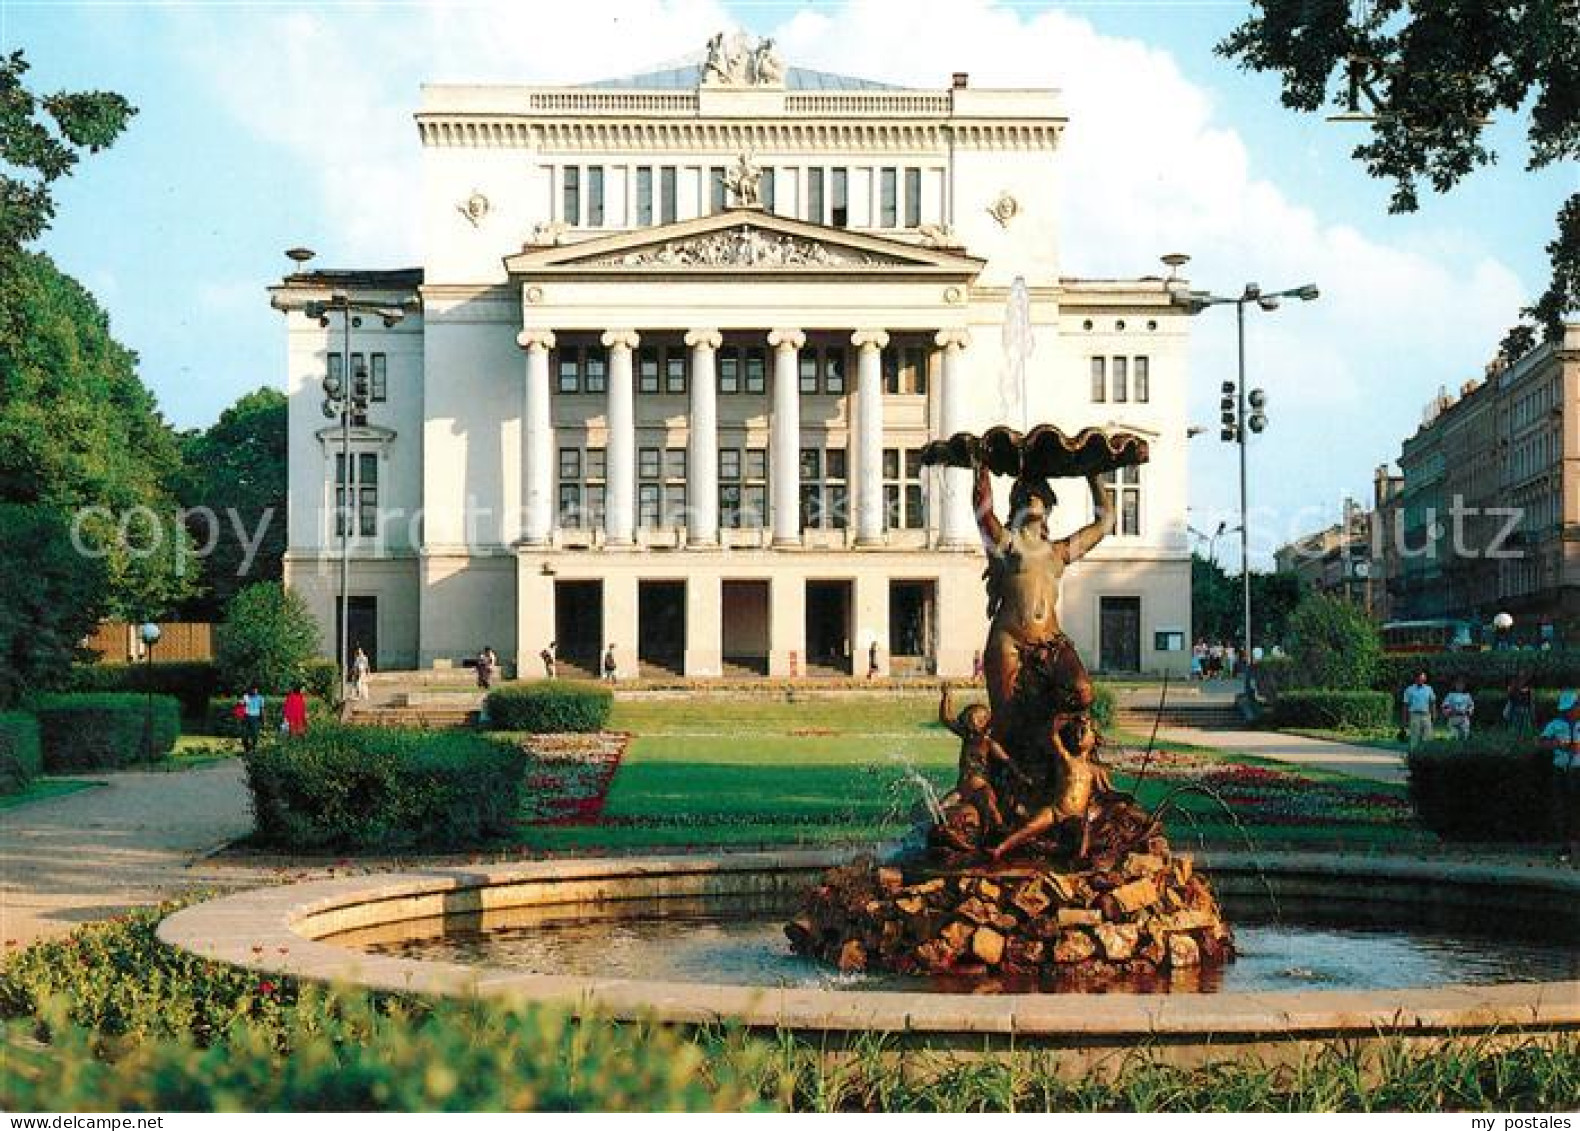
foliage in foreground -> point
(105, 731)
(1492, 787)
(1334, 710)
(128, 1024)
(21, 755)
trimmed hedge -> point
(193, 682)
(21, 754)
(1334, 710)
(348, 787)
(1490, 787)
(105, 731)
(550, 706)
(1551, 669)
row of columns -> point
(955, 526)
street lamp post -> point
(346, 396)
(1235, 418)
(150, 634)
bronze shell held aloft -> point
(1043, 453)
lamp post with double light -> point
(1240, 409)
(346, 397)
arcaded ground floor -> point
(740, 613)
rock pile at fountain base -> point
(1144, 913)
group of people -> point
(251, 710)
(1214, 661)
(1420, 708)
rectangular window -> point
(675, 504)
(595, 506)
(644, 194)
(1120, 383)
(913, 463)
(915, 507)
(891, 463)
(649, 503)
(716, 199)
(766, 189)
(595, 196)
(571, 506)
(834, 371)
(839, 191)
(337, 367)
(648, 463)
(836, 503)
(811, 505)
(1124, 493)
(674, 463)
(666, 194)
(913, 198)
(597, 464)
(379, 378)
(368, 494)
(835, 457)
(647, 370)
(811, 464)
(754, 506)
(756, 463)
(570, 464)
(756, 371)
(1099, 380)
(814, 195)
(889, 198)
(729, 504)
(675, 372)
(729, 362)
(569, 368)
(891, 506)
(729, 464)
(807, 367)
(889, 360)
(1142, 375)
(571, 195)
(595, 374)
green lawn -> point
(713, 772)
(42, 789)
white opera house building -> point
(668, 363)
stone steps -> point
(418, 718)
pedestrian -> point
(1198, 660)
(359, 674)
(872, 660)
(611, 669)
(1519, 704)
(251, 719)
(1419, 701)
(293, 712)
(1458, 708)
(1231, 661)
(551, 657)
(1215, 661)
(1562, 738)
(976, 666)
(485, 668)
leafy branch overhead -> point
(1430, 76)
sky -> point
(267, 125)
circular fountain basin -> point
(593, 910)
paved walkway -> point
(135, 840)
(1369, 762)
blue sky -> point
(265, 125)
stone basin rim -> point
(268, 930)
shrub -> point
(1492, 786)
(105, 731)
(193, 682)
(375, 788)
(52, 595)
(550, 706)
(21, 755)
(321, 678)
(220, 719)
(268, 639)
(1104, 706)
(1554, 670)
(1334, 710)
(1333, 644)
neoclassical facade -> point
(668, 364)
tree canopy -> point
(1433, 73)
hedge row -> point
(347, 787)
(194, 682)
(21, 754)
(1480, 669)
(105, 731)
(1490, 787)
(1334, 710)
(550, 707)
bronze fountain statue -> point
(1035, 865)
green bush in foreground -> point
(128, 1024)
(550, 707)
(21, 755)
(348, 787)
(1491, 787)
(193, 682)
(1335, 710)
(105, 731)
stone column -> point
(538, 440)
(702, 449)
(869, 435)
(620, 501)
(784, 484)
(956, 527)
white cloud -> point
(1150, 164)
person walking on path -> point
(611, 669)
(1458, 708)
(251, 719)
(487, 668)
(1562, 738)
(293, 712)
(359, 674)
(550, 657)
(1519, 706)
(1419, 701)
(872, 660)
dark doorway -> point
(744, 622)
(828, 647)
(912, 628)
(1119, 634)
(578, 626)
(661, 625)
(363, 617)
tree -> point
(1333, 644)
(1217, 603)
(1438, 71)
(267, 640)
(51, 599)
(235, 476)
